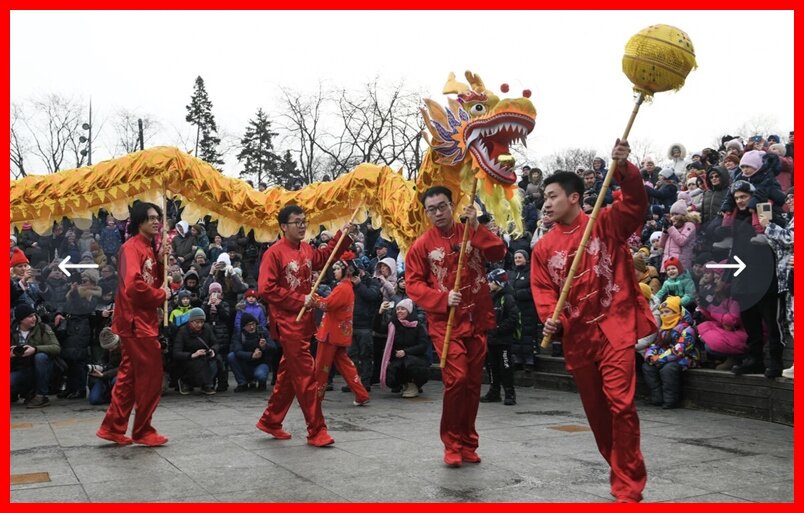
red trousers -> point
(462, 378)
(139, 381)
(606, 387)
(295, 378)
(326, 355)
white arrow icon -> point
(740, 265)
(64, 265)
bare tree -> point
(643, 148)
(301, 120)
(20, 145)
(570, 159)
(54, 125)
(127, 131)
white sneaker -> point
(724, 244)
(361, 403)
(410, 390)
(788, 373)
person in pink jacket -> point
(721, 332)
(678, 239)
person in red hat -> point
(335, 333)
(285, 284)
(603, 318)
(251, 306)
(136, 320)
(23, 288)
(678, 283)
(431, 267)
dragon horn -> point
(476, 82)
(453, 86)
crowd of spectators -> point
(706, 209)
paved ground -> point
(538, 451)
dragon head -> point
(478, 125)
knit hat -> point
(22, 311)
(736, 144)
(657, 210)
(675, 262)
(92, 275)
(646, 290)
(695, 165)
(250, 293)
(644, 250)
(498, 276)
(742, 186)
(196, 313)
(108, 340)
(18, 257)
(523, 253)
(673, 303)
(87, 254)
(407, 304)
(184, 294)
(639, 262)
(753, 159)
(679, 208)
(201, 252)
(215, 287)
(655, 236)
(684, 196)
(667, 172)
(224, 257)
(14, 238)
(693, 180)
(778, 149)
(247, 318)
(732, 158)
(774, 138)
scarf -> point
(389, 346)
(670, 321)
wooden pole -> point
(457, 286)
(329, 261)
(589, 227)
(165, 261)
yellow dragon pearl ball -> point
(658, 58)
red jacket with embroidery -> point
(336, 326)
(430, 271)
(139, 293)
(285, 279)
(605, 291)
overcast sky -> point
(148, 61)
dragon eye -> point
(479, 108)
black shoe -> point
(509, 400)
(345, 388)
(83, 395)
(749, 366)
(669, 406)
(396, 390)
(63, 394)
(208, 390)
(38, 401)
(241, 388)
(773, 372)
(491, 397)
(330, 387)
(557, 351)
(262, 386)
(223, 386)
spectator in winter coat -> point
(108, 283)
(647, 274)
(732, 164)
(367, 302)
(250, 355)
(195, 354)
(678, 283)
(180, 315)
(676, 154)
(523, 350)
(717, 186)
(673, 352)
(758, 168)
(404, 365)
(500, 339)
(201, 239)
(721, 330)
(785, 174)
(110, 239)
(103, 376)
(200, 265)
(665, 193)
(385, 273)
(218, 317)
(85, 242)
(216, 248)
(32, 363)
(678, 240)
(251, 306)
(183, 244)
(695, 192)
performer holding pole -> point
(141, 292)
(431, 270)
(285, 283)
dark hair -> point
(589, 172)
(570, 182)
(139, 215)
(287, 211)
(435, 191)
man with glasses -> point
(285, 283)
(141, 293)
(431, 267)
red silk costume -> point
(136, 321)
(334, 336)
(430, 270)
(601, 321)
(285, 279)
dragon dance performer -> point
(599, 324)
(335, 333)
(285, 284)
(136, 321)
(430, 271)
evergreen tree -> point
(199, 113)
(257, 153)
(289, 172)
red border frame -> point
(732, 41)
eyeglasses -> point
(154, 218)
(299, 223)
(431, 211)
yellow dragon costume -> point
(469, 138)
